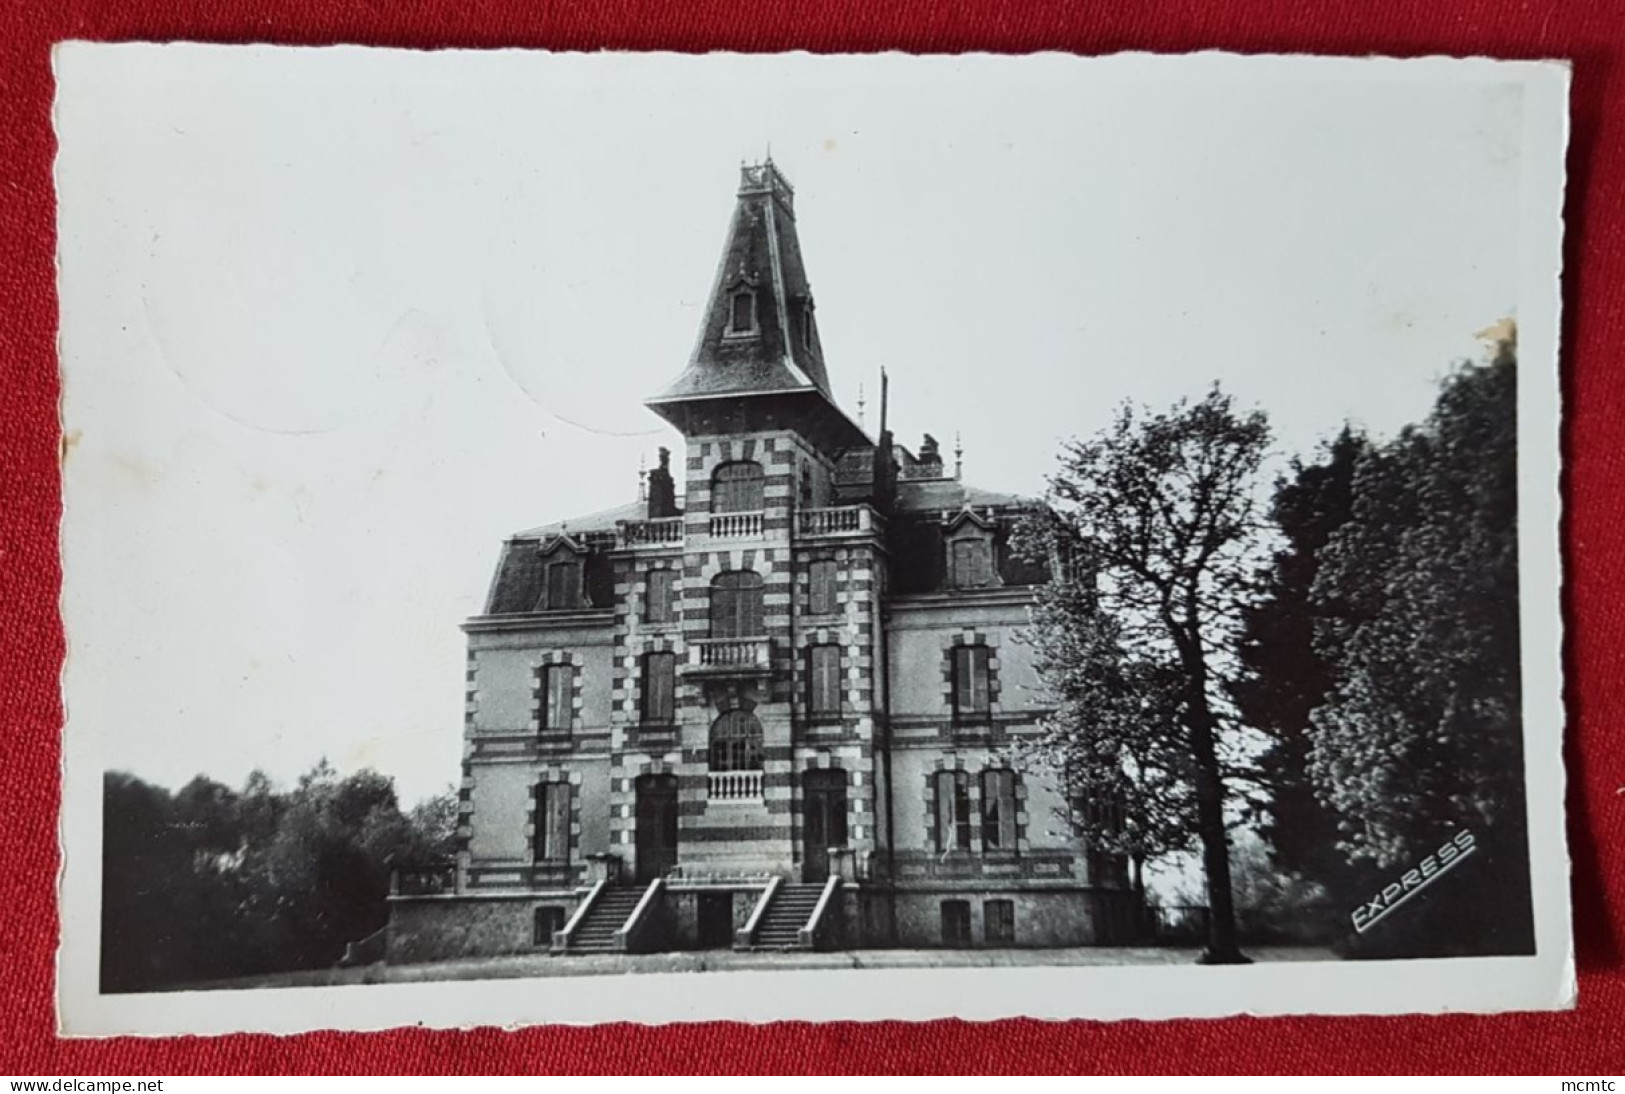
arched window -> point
(736, 742)
(737, 488)
(736, 605)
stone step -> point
(607, 915)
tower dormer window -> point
(738, 487)
(742, 313)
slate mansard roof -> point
(602, 521)
(945, 495)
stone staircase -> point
(787, 912)
(608, 914)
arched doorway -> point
(656, 817)
(823, 820)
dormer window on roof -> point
(742, 312)
(969, 541)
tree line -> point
(1332, 662)
(209, 882)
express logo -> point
(1411, 882)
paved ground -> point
(538, 965)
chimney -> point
(662, 489)
(930, 457)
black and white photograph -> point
(595, 537)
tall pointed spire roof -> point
(759, 334)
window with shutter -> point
(736, 605)
(552, 822)
(953, 811)
(999, 809)
(824, 681)
(970, 564)
(563, 585)
(659, 587)
(557, 707)
(971, 699)
(737, 488)
(956, 923)
(999, 922)
(821, 580)
(659, 688)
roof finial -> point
(959, 456)
(643, 477)
(770, 153)
(861, 405)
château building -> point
(774, 710)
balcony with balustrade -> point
(658, 534)
(837, 522)
(733, 786)
(729, 657)
(746, 525)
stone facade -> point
(810, 668)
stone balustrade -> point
(842, 520)
(736, 525)
(733, 785)
(660, 532)
(729, 655)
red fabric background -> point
(1589, 32)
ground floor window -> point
(552, 822)
(999, 922)
(953, 811)
(549, 919)
(956, 923)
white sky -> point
(336, 322)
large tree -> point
(1114, 734)
(1422, 736)
(1290, 674)
(1162, 511)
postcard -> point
(595, 537)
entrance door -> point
(716, 917)
(656, 825)
(823, 820)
